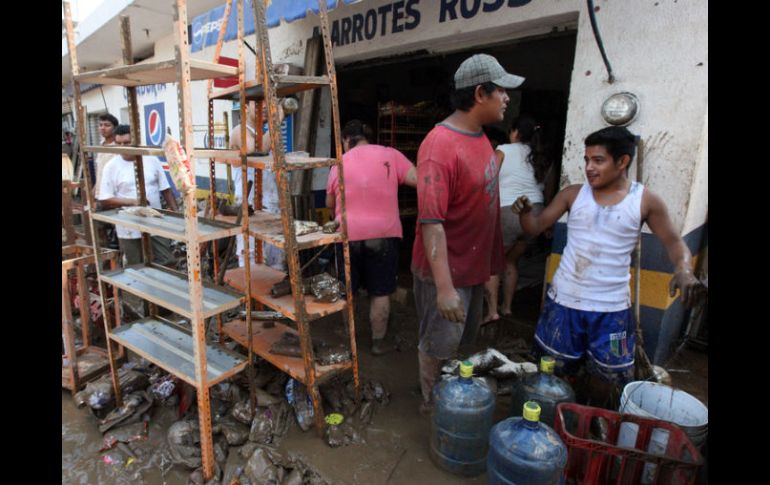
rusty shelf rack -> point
(155, 73)
(171, 348)
(185, 354)
(170, 290)
(268, 227)
(84, 363)
(171, 225)
(263, 277)
(157, 151)
(256, 279)
(263, 338)
(285, 85)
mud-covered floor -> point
(396, 442)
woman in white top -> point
(523, 172)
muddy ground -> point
(396, 442)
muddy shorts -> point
(441, 338)
(373, 265)
(606, 339)
(512, 230)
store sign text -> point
(403, 15)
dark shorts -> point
(373, 265)
(439, 337)
(606, 339)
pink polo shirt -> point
(372, 176)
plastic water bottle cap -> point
(547, 364)
(466, 369)
(334, 419)
(531, 411)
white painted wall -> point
(655, 48)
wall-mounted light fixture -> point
(620, 109)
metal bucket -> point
(653, 400)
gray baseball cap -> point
(482, 68)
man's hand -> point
(688, 284)
(522, 205)
(450, 306)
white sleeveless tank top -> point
(517, 176)
(593, 274)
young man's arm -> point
(448, 301)
(116, 202)
(168, 194)
(331, 191)
(411, 177)
(533, 224)
(655, 213)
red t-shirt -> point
(457, 186)
(372, 176)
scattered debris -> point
(296, 394)
(270, 423)
(493, 362)
(266, 465)
(99, 394)
(134, 406)
(142, 211)
(305, 227)
(330, 227)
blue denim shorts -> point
(606, 339)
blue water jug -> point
(544, 388)
(461, 422)
(524, 451)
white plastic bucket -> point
(659, 401)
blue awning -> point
(205, 28)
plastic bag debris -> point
(326, 288)
(342, 434)
(269, 466)
(270, 423)
(228, 392)
(99, 395)
(179, 165)
(163, 388)
(235, 433)
(492, 362)
(331, 354)
(184, 443)
(134, 406)
(297, 396)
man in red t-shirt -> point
(458, 244)
(372, 176)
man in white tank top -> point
(587, 310)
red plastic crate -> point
(600, 461)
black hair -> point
(616, 139)
(122, 130)
(110, 118)
(496, 135)
(463, 99)
(356, 131)
(531, 135)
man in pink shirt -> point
(372, 176)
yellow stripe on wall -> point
(654, 284)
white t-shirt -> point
(118, 181)
(517, 176)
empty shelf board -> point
(171, 225)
